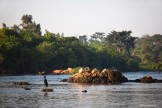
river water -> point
(70, 95)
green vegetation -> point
(149, 50)
(75, 70)
(24, 50)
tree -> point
(123, 42)
(83, 39)
(4, 25)
(23, 50)
(26, 20)
(16, 28)
(151, 48)
(97, 36)
(29, 26)
(1, 59)
(48, 36)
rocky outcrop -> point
(85, 75)
(147, 79)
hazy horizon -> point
(85, 17)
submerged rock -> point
(47, 90)
(95, 76)
(64, 80)
(21, 83)
(84, 91)
(27, 88)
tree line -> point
(24, 50)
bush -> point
(75, 70)
(157, 66)
(133, 65)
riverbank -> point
(50, 73)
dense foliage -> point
(149, 49)
(24, 50)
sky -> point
(85, 17)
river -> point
(70, 95)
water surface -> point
(70, 95)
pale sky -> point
(85, 17)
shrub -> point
(75, 70)
(133, 65)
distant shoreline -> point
(62, 74)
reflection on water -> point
(45, 94)
(70, 95)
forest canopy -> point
(24, 50)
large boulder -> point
(95, 76)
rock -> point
(83, 70)
(137, 80)
(67, 71)
(146, 79)
(64, 80)
(95, 72)
(95, 80)
(21, 83)
(80, 70)
(158, 81)
(27, 88)
(70, 69)
(95, 76)
(57, 72)
(41, 73)
(84, 91)
(70, 79)
(87, 69)
(115, 76)
(89, 79)
(47, 90)
(64, 72)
